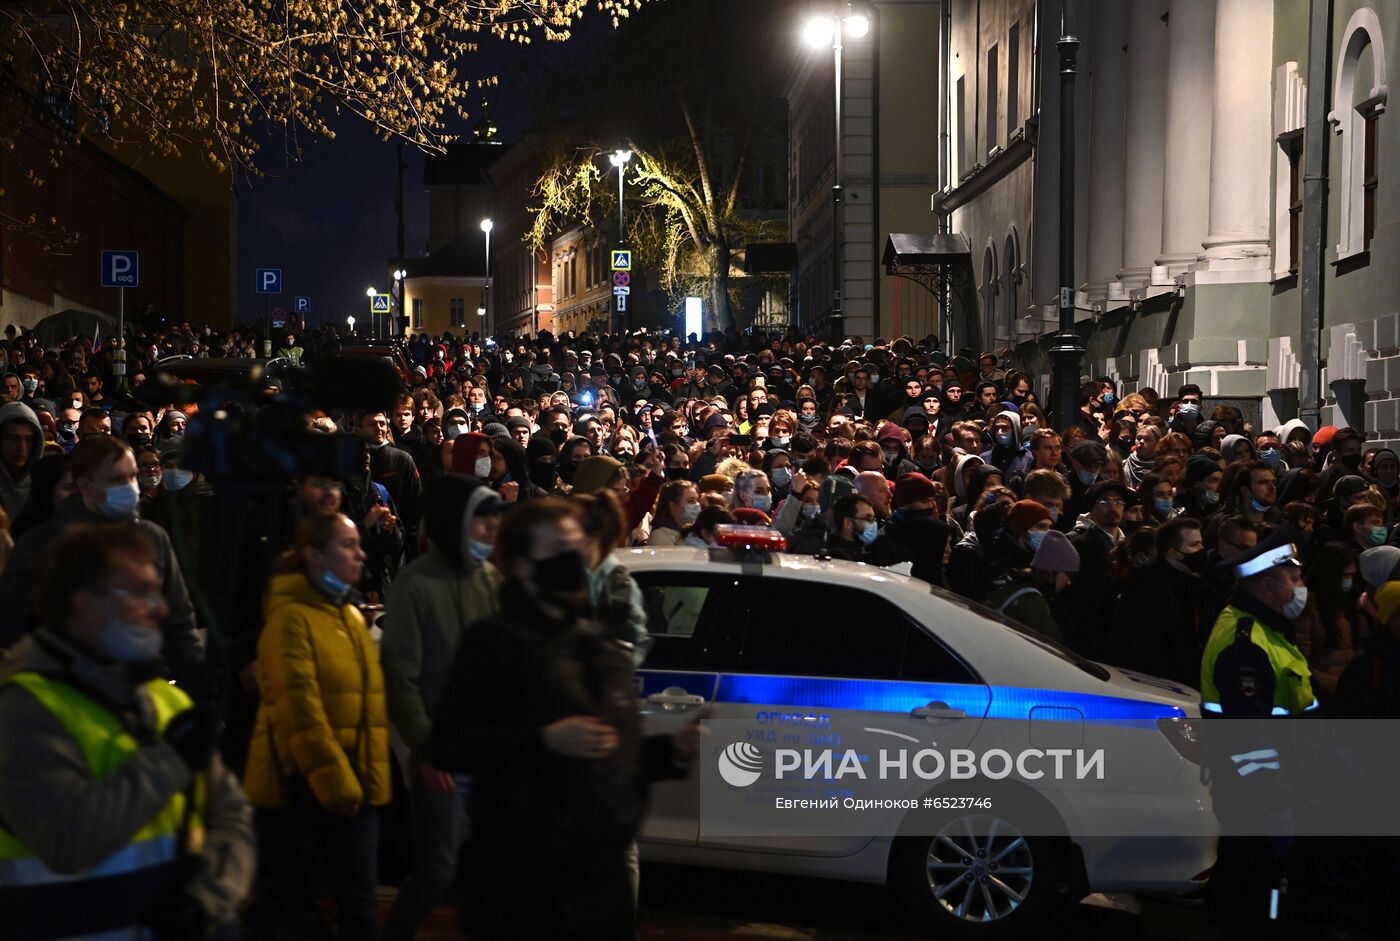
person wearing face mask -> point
(426, 614)
(916, 528)
(541, 709)
(1199, 496)
(108, 494)
(752, 489)
(1385, 470)
(107, 770)
(677, 507)
(1252, 668)
(21, 447)
(318, 765)
(1007, 453)
(1160, 625)
(1097, 538)
(1086, 464)
(1015, 546)
(1031, 596)
(1329, 629)
(855, 535)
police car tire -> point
(1050, 858)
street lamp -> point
(350, 322)
(820, 32)
(399, 275)
(486, 226)
(620, 158)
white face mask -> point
(120, 501)
(177, 479)
(1298, 602)
(130, 643)
(482, 467)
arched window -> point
(1010, 292)
(989, 297)
(1359, 100)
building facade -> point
(1188, 210)
(889, 126)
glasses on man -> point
(1111, 501)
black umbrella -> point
(56, 329)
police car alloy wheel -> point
(978, 877)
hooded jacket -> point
(14, 487)
(429, 607)
(1011, 460)
(321, 721)
(959, 486)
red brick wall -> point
(103, 203)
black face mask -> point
(558, 436)
(677, 473)
(1350, 461)
(1194, 561)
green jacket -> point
(1292, 678)
(426, 614)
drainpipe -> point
(1315, 142)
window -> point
(1292, 145)
(1010, 275)
(801, 628)
(686, 613)
(417, 322)
(1013, 80)
(965, 161)
(989, 297)
(1359, 98)
(992, 81)
(1368, 182)
(457, 312)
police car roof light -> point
(731, 536)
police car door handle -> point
(937, 711)
(675, 699)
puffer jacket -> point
(322, 721)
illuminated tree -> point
(199, 78)
(684, 216)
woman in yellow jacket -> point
(318, 765)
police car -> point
(741, 632)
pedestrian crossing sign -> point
(622, 259)
(379, 304)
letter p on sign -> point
(268, 281)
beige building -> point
(889, 141)
(582, 285)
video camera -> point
(250, 432)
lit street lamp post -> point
(820, 32)
(350, 322)
(399, 275)
(619, 158)
(370, 292)
(484, 310)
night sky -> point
(328, 222)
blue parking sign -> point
(121, 269)
(268, 281)
(302, 305)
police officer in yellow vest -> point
(1252, 671)
(116, 819)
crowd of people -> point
(481, 537)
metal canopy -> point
(942, 263)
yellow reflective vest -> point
(107, 745)
(1293, 693)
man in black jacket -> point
(1160, 627)
(541, 709)
(394, 469)
(1092, 597)
(918, 535)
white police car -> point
(745, 635)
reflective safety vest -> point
(1293, 694)
(112, 893)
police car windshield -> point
(1040, 640)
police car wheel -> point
(979, 876)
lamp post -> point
(350, 322)
(619, 158)
(399, 275)
(1067, 350)
(820, 32)
(484, 309)
(369, 293)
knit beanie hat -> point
(1388, 600)
(911, 488)
(1199, 467)
(1056, 554)
(594, 473)
(1024, 515)
(1378, 564)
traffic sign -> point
(622, 303)
(619, 292)
(622, 278)
(268, 281)
(302, 305)
(622, 259)
(121, 269)
(379, 304)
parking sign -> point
(302, 305)
(268, 281)
(121, 269)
